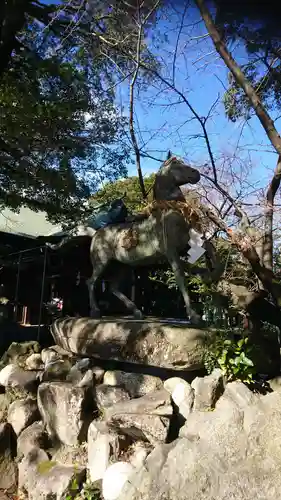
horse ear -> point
(169, 155)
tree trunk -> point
(239, 76)
(262, 265)
(246, 246)
(268, 237)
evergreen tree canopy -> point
(130, 188)
(257, 26)
(60, 134)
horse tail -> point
(62, 243)
(81, 233)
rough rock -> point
(56, 371)
(87, 379)
(34, 436)
(22, 413)
(107, 395)
(224, 426)
(221, 429)
(14, 376)
(75, 376)
(232, 454)
(114, 479)
(3, 496)
(236, 394)
(8, 468)
(49, 355)
(28, 468)
(18, 352)
(139, 452)
(4, 405)
(275, 383)
(63, 353)
(69, 455)
(44, 479)
(103, 443)
(80, 374)
(137, 384)
(182, 394)
(34, 362)
(98, 374)
(145, 418)
(83, 364)
(63, 410)
(207, 390)
(159, 343)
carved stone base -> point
(171, 344)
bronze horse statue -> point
(159, 237)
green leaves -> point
(258, 31)
(61, 134)
(234, 358)
(130, 187)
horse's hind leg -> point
(129, 304)
(94, 308)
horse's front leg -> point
(178, 271)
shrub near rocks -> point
(233, 357)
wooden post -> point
(17, 290)
(42, 293)
(24, 315)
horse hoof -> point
(95, 314)
(196, 320)
(138, 314)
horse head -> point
(171, 175)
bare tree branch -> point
(240, 77)
(131, 119)
(177, 42)
(132, 88)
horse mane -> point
(191, 209)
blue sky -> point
(202, 77)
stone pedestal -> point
(169, 344)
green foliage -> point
(254, 25)
(233, 357)
(115, 30)
(89, 492)
(61, 135)
(45, 466)
(15, 393)
(269, 90)
(130, 186)
(195, 282)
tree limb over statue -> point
(261, 261)
(220, 46)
